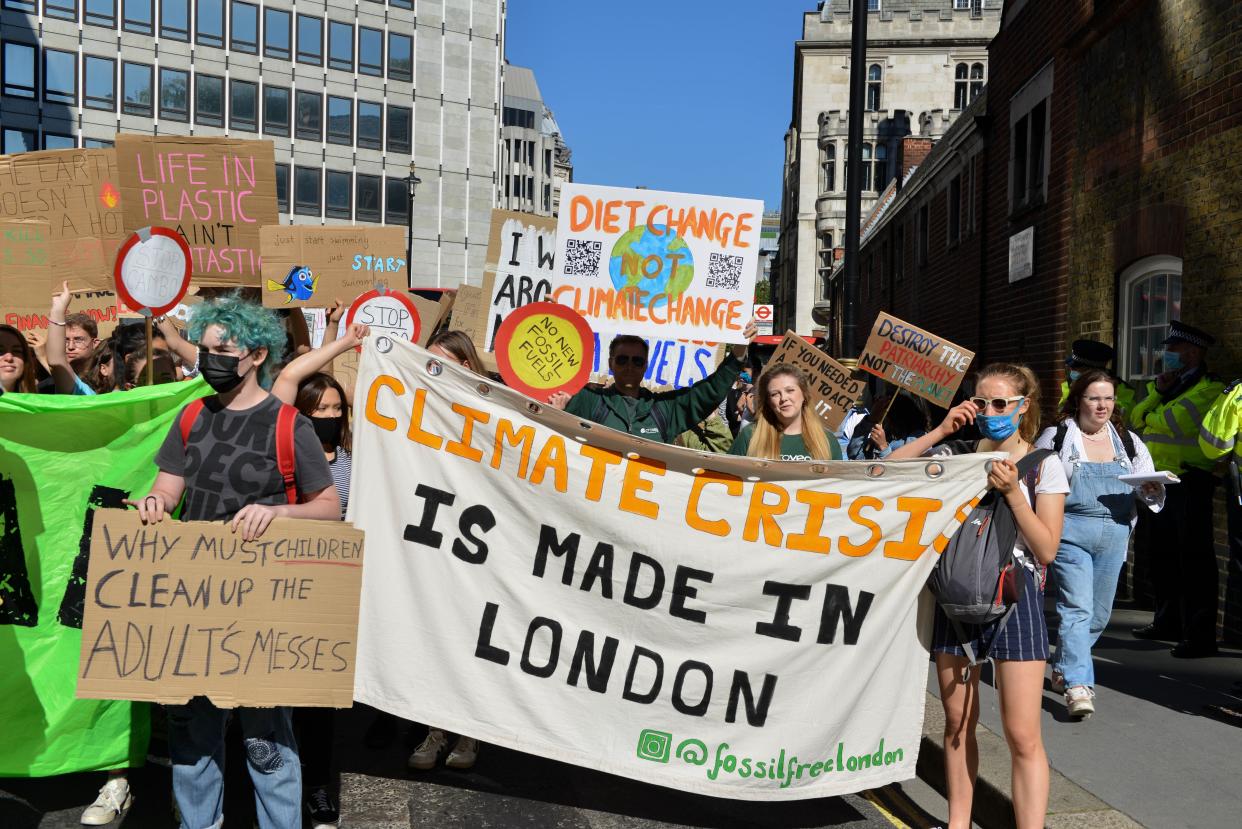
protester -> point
(81, 340)
(1095, 448)
(60, 360)
(625, 405)
(903, 421)
(17, 362)
(1091, 354)
(1177, 542)
(711, 435)
(729, 409)
(239, 342)
(786, 428)
(745, 406)
(849, 424)
(1222, 432)
(1006, 411)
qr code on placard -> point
(582, 257)
(724, 271)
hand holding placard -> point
(543, 348)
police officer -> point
(1221, 433)
(1087, 354)
(1177, 541)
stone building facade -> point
(350, 92)
(534, 160)
(926, 61)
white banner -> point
(728, 626)
(655, 264)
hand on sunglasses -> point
(960, 415)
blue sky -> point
(684, 95)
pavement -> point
(1162, 750)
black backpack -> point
(976, 580)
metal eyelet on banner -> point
(584, 424)
(934, 469)
(435, 368)
(875, 470)
(632, 455)
(484, 389)
(698, 470)
(533, 407)
(580, 438)
(383, 345)
(987, 467)
(819, 469)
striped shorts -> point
(1024, 637)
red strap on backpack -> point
(286, 454)
(188, 415)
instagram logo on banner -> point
(654, 745)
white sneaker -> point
(428, 752)
(1078, 699)
(464, 754)
(114, 798)
(1058, 682)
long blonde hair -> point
(1024, 380)
(765, 442)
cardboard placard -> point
(28, 279)
(216, 192)
(182, 609)
(342, 262)
(521, 252)
(77, 193)
(447, 298)
(468, 312)
(833, 391)
(543, 348)
(916, 360)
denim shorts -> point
(1024, 637)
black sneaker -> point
(322, 808)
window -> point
(826, 253)
(244, 28)
(515, 117)
(19, 69)
(875, 79)
(243, 105)
(282, 187)
(175, 19)
(101, 13)
(19, 141)
(866, 167)
(174, 94)
(310, 40)
(209, 23)
(340, 194)
(828, 180)
(62, 9)
(1028, 141)
(97, 144)
(370, 51)
(99, 82)
(398, 129)
(276, 112)
(60, 77)
(367, 198)
(208, 100)
(881, 166)
(137, 16)
(340, 120)
(57, 141)
(401, 4)
(922, 241)
(873, 5)
(22, 6)
(976, 80)
(306, 191)
(136, 79)
(309, 115)
(276, 33)
(955, 210)
(400, 57)
(396, 201)
(340, 46)
(1151, 296)
(370, 126)
(960, 86)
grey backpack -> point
(976, 580)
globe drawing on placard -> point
(658, 263)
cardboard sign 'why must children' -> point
(182, 609)
(916, 360)
(833, 390)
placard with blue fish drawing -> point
(309, 267)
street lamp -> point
(411, 182)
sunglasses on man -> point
(624, 360)
(998, 404)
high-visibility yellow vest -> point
(1221, 425)
(1125, 398)
(1171, 430)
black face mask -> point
(329, 429)
(220, 371)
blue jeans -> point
(1086, 568)
(196, 743)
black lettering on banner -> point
(837, 606)
(637, 562)
(483, 648)
(682, 591)
(643, 697)
(679, 701)
(476, 517)
(425, 532)
(101, 497)
(597, 673)
(600, 569)
(779, 627)
(554, 648)
(17, 601)
(756, 715)
(549, 543)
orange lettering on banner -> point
(911, 545)
(384, 381)
(855, 512)
(462, 448)
(416, 433)
(711, 225)
(552, 456)
(633, 482)
(524, 437)
(811, 540)
(762, 515)
(703, 477)
(601, 459)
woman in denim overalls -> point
(1099, 515)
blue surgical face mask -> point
(999, 427)
(1074, 375)
(1173, 361)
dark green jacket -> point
(679, 409)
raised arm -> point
(958, 416)
(291, 376)
(183, 348)
(63, 375)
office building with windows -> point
(926, 62)
(534, 159)
(350, 92)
